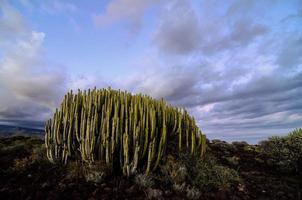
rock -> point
(131, 189)
(44, 185)
(281, 194)
(95, 192)
(107, 189)
(168, 193)
(241, 188)
(259, 160)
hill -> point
(9, 131)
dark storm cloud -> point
(179, 30)
(22, 112)
(182, 31)
(236, 66)
(254, 107)
(242, 73)
(291, 53)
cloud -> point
(236, 74)
(131, 11)
(224, 113)
(179, 31)
(31, 88)
(11, 23)
(235, 66)
(290, 54)
(172, 84)
(183, 30)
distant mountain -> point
(9, 131)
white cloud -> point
(30, 87)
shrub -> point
(21, 165)
(96, 172)
(174, 171)
(223, 147)
(234, 160)
(75, 170)
(284, 152)
(179, 187)
(210, 174)
(154, 194)
(126, 131)
(193, 193)
(143, 181)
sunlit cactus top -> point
(126, 131)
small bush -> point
(175, 171)
(210, 174)
(36, 157)
(180, 188)
(240, 144)
(21, 165)
(154, 194)
(143, 181)
(284, 152)
(223, 146)
(193, 193)
(74, 170)
(234, 160)
(96, 172)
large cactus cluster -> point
(123, 130)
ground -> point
(25, 173)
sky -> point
(235, 65)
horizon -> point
(236, 66)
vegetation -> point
(26, 173)
(285, 152)
(102, 135)
(211, 174)
(125, 131)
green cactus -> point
(107, 124)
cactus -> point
(109, 125)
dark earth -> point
(25, 173)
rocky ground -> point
(25, 173)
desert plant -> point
(193, 193)
(20, 165)
(174, 171)
(35, 158)
(143, 181)
(96, 172)
(285, 152)
(179, 187)
(75, 170)
(154, 193)
(210, 174)
(126, 131)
